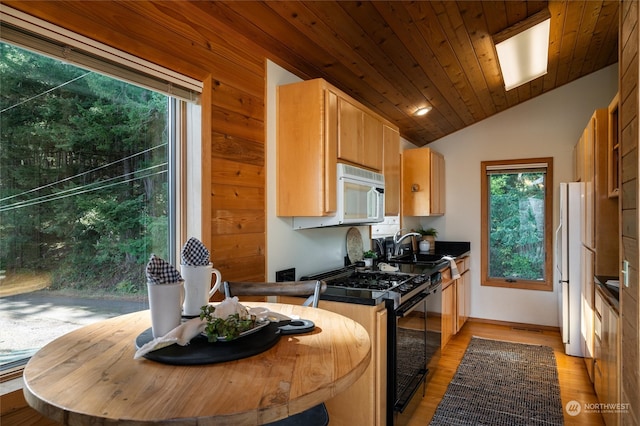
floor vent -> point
(530, 330)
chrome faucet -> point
(398, 238)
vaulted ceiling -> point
(395, 56)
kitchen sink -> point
(417, 258)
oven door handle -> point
(411, 304)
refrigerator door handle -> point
(558, 253)
(566, 323)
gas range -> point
(401, 292)
(359, 282)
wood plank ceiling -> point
(396, 56)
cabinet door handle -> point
(415, 187)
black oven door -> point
(412, 344)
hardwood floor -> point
(572, 373)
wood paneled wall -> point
(182, 36)
(629, 124)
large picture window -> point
(90, 170)
(516, 223)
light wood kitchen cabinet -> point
(365, 401)
(422, 182)
(359, 135)
(588, 303)
(306, 149)
(391, 170)
(607, 356)
(448, 315)
(600, 220)
(462, 292)
(613, 148)
(455, 300)
(318, 126)
(578, 159)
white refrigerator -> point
(569, 268)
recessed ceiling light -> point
(422, 111)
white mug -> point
(197, 287)
(165, 304)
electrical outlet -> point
(286, 275)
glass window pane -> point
(83, 197)
(516, 225)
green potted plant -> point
(429, 235)
(368, 257)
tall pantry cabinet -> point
(600, 245)
(600, 225)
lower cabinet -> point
(455, 300)
(447, 318)
(364, 403)
(606, 371)
(462, 292)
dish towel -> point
(159, 271)
(194, 253)
(181, 335)
(454, 268)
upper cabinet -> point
(422, 182)
(317, 127)
(613, 152)
(306, 149)
(600, 219)
(359, 135)
(391, 170)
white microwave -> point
(360, 200)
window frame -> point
(185, 141)
(527, 163)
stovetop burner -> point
(369, 280)
(396, 286)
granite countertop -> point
(455, 249)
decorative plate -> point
(354, 245)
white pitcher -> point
(165, 301)
(424, 246)
(197, 287)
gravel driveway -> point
(29, 321)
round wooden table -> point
(89, 376)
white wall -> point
(546, 126)
(308, 250)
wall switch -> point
(286, 275)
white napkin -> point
(186, 331)
(262, 314)
(454, 268)
(386, 267)
(181, 335)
